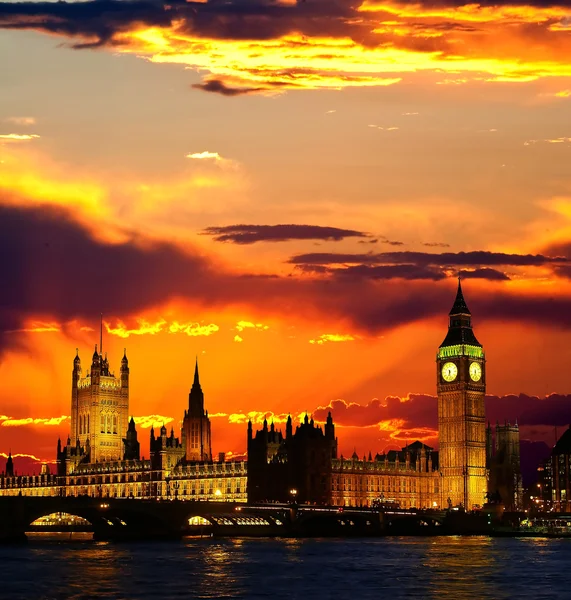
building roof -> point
(563, 445)
(459, 307)
(460, 335)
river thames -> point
(52, 566)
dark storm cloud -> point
(219, 87)
(390, 272)
(420, 410)
(100, 19)
(250, 234)
(51, 267)
(238, 20)
(484, 273)
(443, 259)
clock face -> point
(475, 371)
(449, 371)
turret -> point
(10, 466)
(76, 373)
(289, 428)
(95, 367)
(132, 446)
(196, 396)
(124, 370)
(329, 427)
(250, 432)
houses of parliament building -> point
(101, 456)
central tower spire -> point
(196, 424)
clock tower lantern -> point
(461, 385)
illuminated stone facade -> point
(224, 481)
(461, 386)
(99, 408)
(408, 479)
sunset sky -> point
(287, 190)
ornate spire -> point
(196, 396)
(460, 331)
(460, 307)
(196, 378)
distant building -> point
(557, 474)
(407, 478)
(503, 461)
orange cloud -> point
(324, 45)
(30, 456)
(37, 327)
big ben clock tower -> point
(461, 384)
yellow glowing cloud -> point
(333, 337)
(193, 329)
(205, 156)
(388, 51)
(257, 417)
(375, 43)
(30, 456)
(147, 328)
(109, 209)
(155, 421)
(17, 137)
(241, 325)
(144, 328)
(10, 422)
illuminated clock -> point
(449, 371)
(475, 371)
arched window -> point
(102, 423)
(87, 423)
(114, 423)
(108, 420)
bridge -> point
(132, 519)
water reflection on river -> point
(53, 566)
